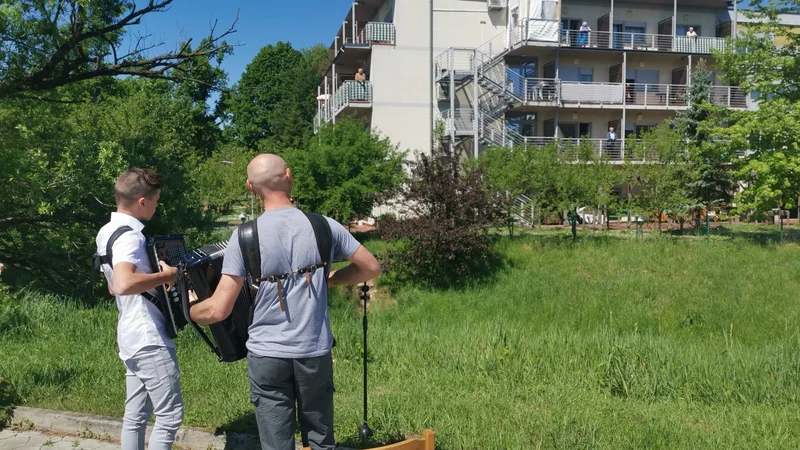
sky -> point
(260, 22)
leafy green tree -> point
(60, 162)
(343, 169)
(756, 63)
(275, 99)
(664, 175)
(771, 171)
(714, 184)
(221, 179)
(49, 44)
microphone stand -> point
(364, 431)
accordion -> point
(200, 270)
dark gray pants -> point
(277, 385)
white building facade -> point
(522, 72)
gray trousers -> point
(279, 387)
(153, 386)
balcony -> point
(599, 95)
(376, 33)
(641, 42)
(460, 121)
(350, 96)
(595, 95)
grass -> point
(608, 342)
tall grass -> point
(602, 343)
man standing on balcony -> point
(583, 35)
(691, 33)
(360, 75)
(611, 139)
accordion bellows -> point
(199, 270)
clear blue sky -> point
(261, 22)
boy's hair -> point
(136, 183)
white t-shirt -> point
(140, 323)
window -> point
(389, 16)
(582, 74)
(586, 75)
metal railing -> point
(578, 93)
(729, 96)
(377, 33)
(542, 89)
(640, 41)
(351, 92)
(459, 120)
(658, 95)
(454, 59)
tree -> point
(714, 184)
(759, 66)
(664, 175)
(442, 234)
(275, 99)
(60, 162)
(770, 173)
(221, 179)
(343, 169)
(49, 44)
(509, 173)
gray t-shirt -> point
(287, 243)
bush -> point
(8, 401)
(443, 238)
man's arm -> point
(363, 267)
(219, 306)
(128, 282)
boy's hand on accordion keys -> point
(171, 271)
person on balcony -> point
(691, 33)
(360, 75)
(583, 34)
(611, 139)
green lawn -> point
(604, 343)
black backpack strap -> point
(99, 260)
(322, 231)
(251, 251)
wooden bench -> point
(426, 443)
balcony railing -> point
(542, 90)
(377, 33)
(352, 93)
(729, 96)
(579, 93)
(641, 41)
(460, 120)
(656, 95)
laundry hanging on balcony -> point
(540, 23)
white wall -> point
(400, 74)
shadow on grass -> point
(58, 377)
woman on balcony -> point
(583, 35)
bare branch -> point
(69, 63)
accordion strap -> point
(251, 252)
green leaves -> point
(345, 166)
(273, 103)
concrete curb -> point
(110, 428)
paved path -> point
(34, 440)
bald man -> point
(289, 347)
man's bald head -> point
(268, 172)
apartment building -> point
(511, 72)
